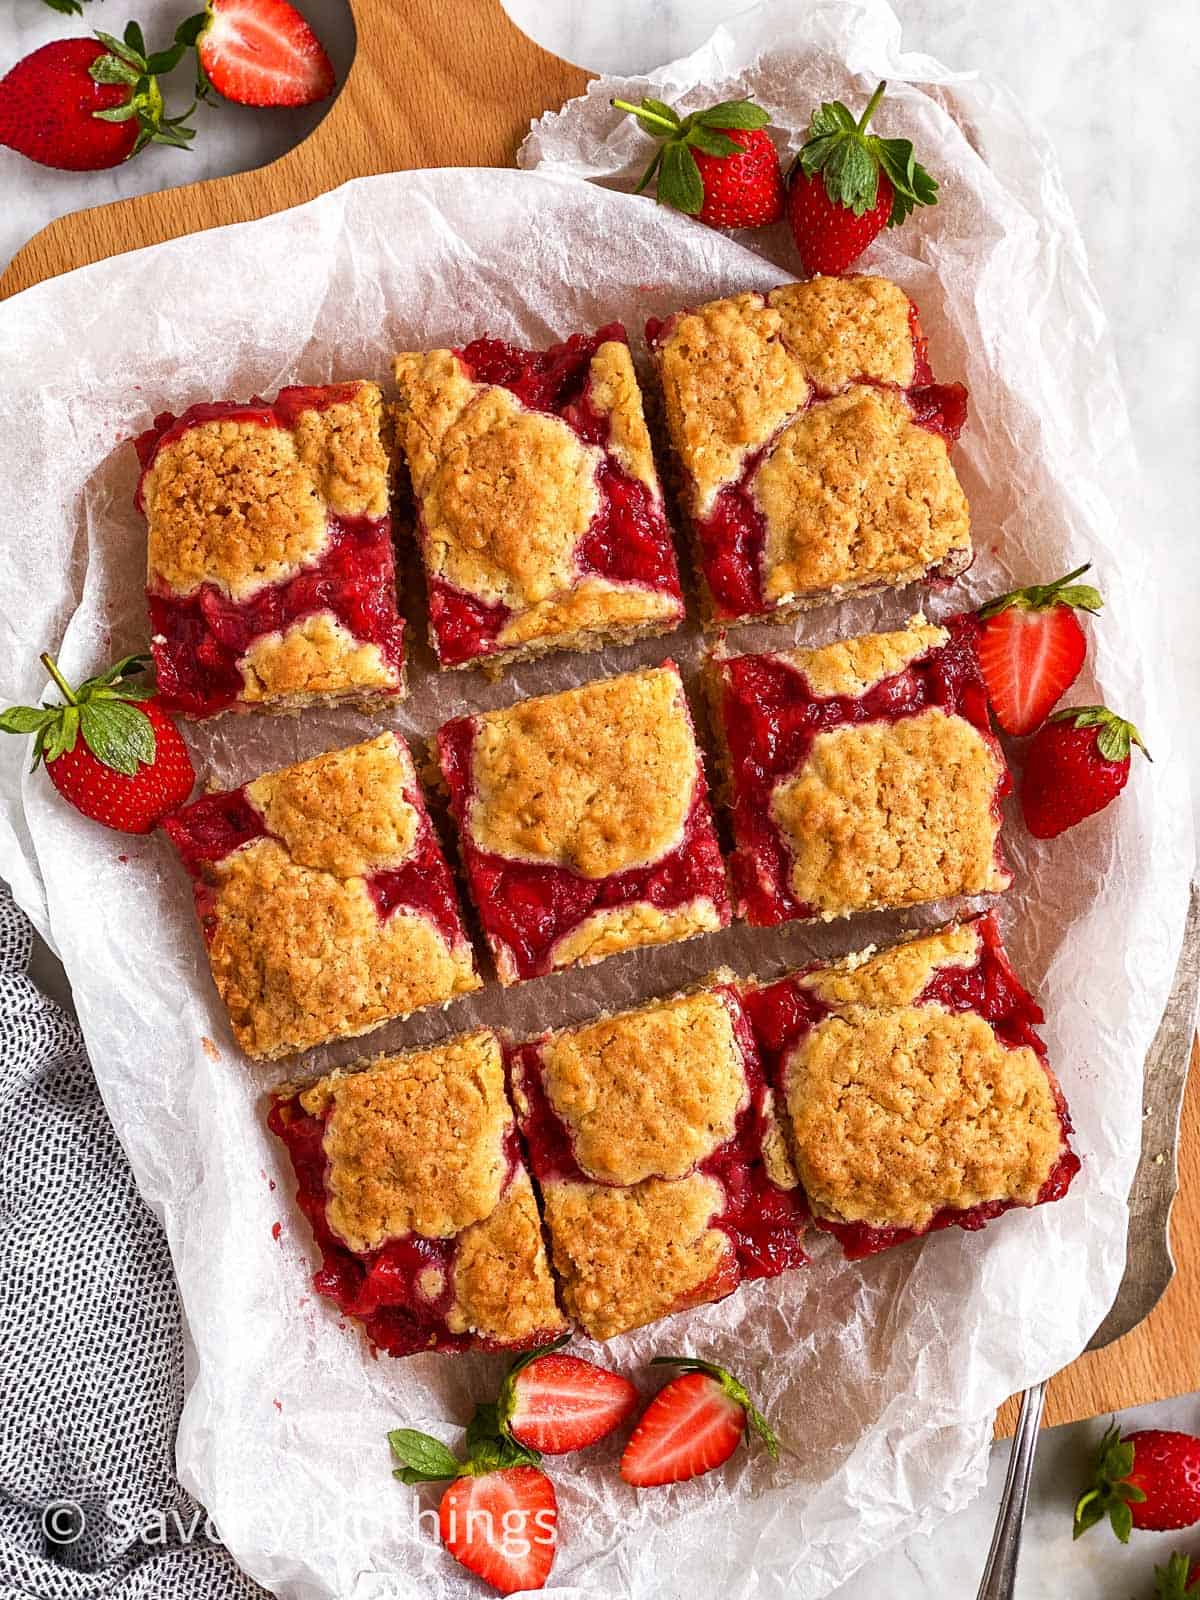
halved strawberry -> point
(262, 53)
(499, 1516)
(691, 1426)
(556, 1403)
(502, 1526)
(1031, 648)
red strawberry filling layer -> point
(217, 824)
(733, 536)
(783, 1013)
(199, 638)
(526, 908)
(401, 1292)
(769, 719)
(628, 542)
(764, 1223)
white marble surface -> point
(1114, 87)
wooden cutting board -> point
(435, 85)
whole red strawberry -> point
(1075, 765)
(1178, 1579)
(846, 185)
(84, 104)
(718, 165)
(1149, 1479)
(109, 749)
(1031, 648)
(693, 1424)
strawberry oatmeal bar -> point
(812, 446)
(584, 823)
(915, 1092)
(410, 1174)
(539, 513)
(663, 1171)
(324, 899)
(862, 775)
(271, 578)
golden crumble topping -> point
(854, 491)
(898, 975)
(853, 666)
(315, 656)
(347, 811)
(843, 329)
(628, 1256)
(777, 1158)
(897, 1115)
(502, 1284)
(728, 383)
(231, 503)
(613, 391)
(598, 779)
(300, 956)
(506, 494)
(594, 605)
(891, 814)
(342, 447)
(648, 1093)
(414, 1143)
(632, 926)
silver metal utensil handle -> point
(1000, 1575)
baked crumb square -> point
(584, 823)
(812, 446)
(539, 512)
(914, 1090)
(861, 775)
(271, 578)
(324, 899)
(410, 1174)
(654, 1141)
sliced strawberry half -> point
(555, 1403)
(262, 53)
(691, 1426)
(1031, 648)
(502, 1526)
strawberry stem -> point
(644, 115)
(64, 687)
(872, 103)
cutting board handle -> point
(433, 84)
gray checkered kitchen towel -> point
(91, 1350)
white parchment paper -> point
(881, 1377)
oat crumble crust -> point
(648, 1093)
(615, 928)
(300, 956)
(614, 392)
(502, 1284)
(593, 606)
(599, 779)
(241, 505)
(843, 329)
(892, 814)
(728, 383)
(852, 667)
(315, 656)
(854, 491)
(897, 1115)
(898, 976)
(415, 1142)
(347, 811)
(628, 1256)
